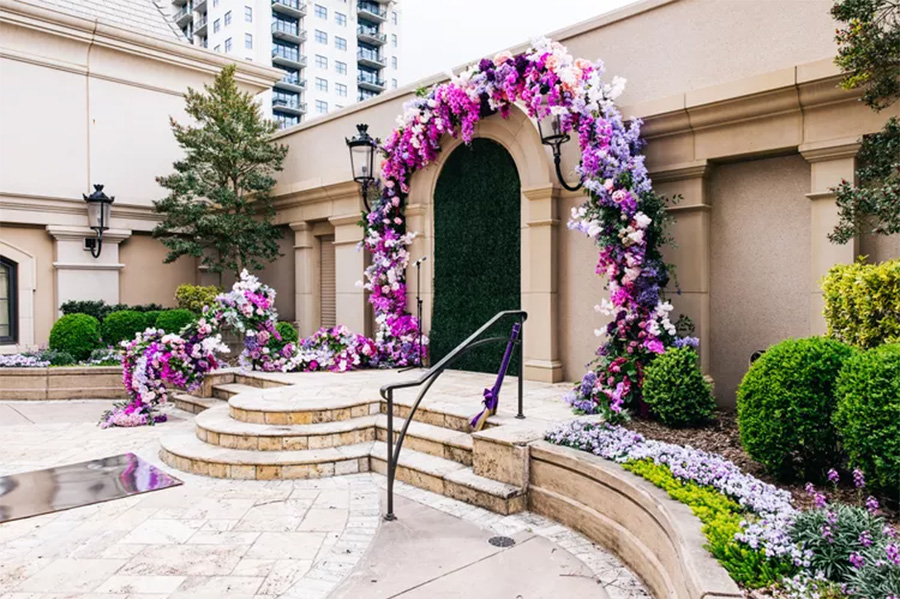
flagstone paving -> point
(212, 538)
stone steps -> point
(228, 390)
(216, 427)
(276, 407)
(186, 452)
(426, 438)
(450, 479)
(193, 404)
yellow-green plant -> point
(195, 297)
(862, 303)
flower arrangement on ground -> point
(752, 527)
(622, 214)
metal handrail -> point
(428, 379)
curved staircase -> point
(288, 433)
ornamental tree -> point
(218, 208)
(869, 56)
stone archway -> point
(477, 245)
(539, 232)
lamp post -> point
(99, 205)
(555, 137)
(362, 159)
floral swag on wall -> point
(622, 215)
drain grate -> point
(501, 541)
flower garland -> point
(622, 214)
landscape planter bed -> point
(656, 537)
(63, 382)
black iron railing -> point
(428, 379)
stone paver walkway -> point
(211, 539)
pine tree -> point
(218, 208)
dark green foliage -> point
(868, 39)
(122, 326)
(785, 403)
(218, 208)
(195, 297)
(288, 332)
(676, 391)
(150, 318)
(56, 358)
(100, 309)
(831, 551)
(172, 321)
(721, 518)
(476, 254)
(867, 417)
(76, 334)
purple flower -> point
(893, 553)
(865, 538)
(859, 479)
(833, 476)
(856, 560)
(872, 504)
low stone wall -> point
(64, 382)
(658, 538)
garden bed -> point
(63, 382)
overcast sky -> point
(438, 36)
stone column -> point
(691, 231)
(540, 288)
(351, 303)
(80, 276)
(417, 221)
(305, 284)
(831, 162)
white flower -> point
(642, 220)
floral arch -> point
(621, 215)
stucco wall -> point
(145, 279)
(760, 260)
(280, 276)
(879, 248)
(35, 241)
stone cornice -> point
(832, 149)
(679, 172)
(100, 34)
(64, 233)
(288, 196)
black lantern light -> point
(552, 134)
(99, 205)
(362, 159)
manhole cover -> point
(501, 542)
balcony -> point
(289, 105)
(371, 35)
(291, 82)
(366, 95)
(183, 16)
(370, 81)
(200, 24)
(370, 58)
(200, 5)
(294, 8)
(179, 2)
(371, 10)
(289, 32)
(288, 57)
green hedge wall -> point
(476, 250)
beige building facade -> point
(743, 119)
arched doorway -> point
(477, 241)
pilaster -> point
(80, 276)
(305, 284)
(350, 267)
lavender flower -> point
(857, 560)
(833, 476)
(859, 479)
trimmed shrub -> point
(862, 303)
(195, 297)
(77, 334)
(96, 308)
(172, 321)
(785, 403)
(121, 326)
(867, 416)
(150, 318)
(288, 333)
(676, 391)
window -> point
(228, 18)
(248, 41)
(340, 18)
(394, 39)
(394, 83)
(248, 14)
(321, 11)
(321, 37)
(321, 107)
(216, 24)
(340, 43)
(321, 61)
(321, 84)
(341, 89)
(394, 17)
(340, 67)
(228, 45)
(394, 62)
(9, 309)
(215, 2)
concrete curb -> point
(61, 383)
